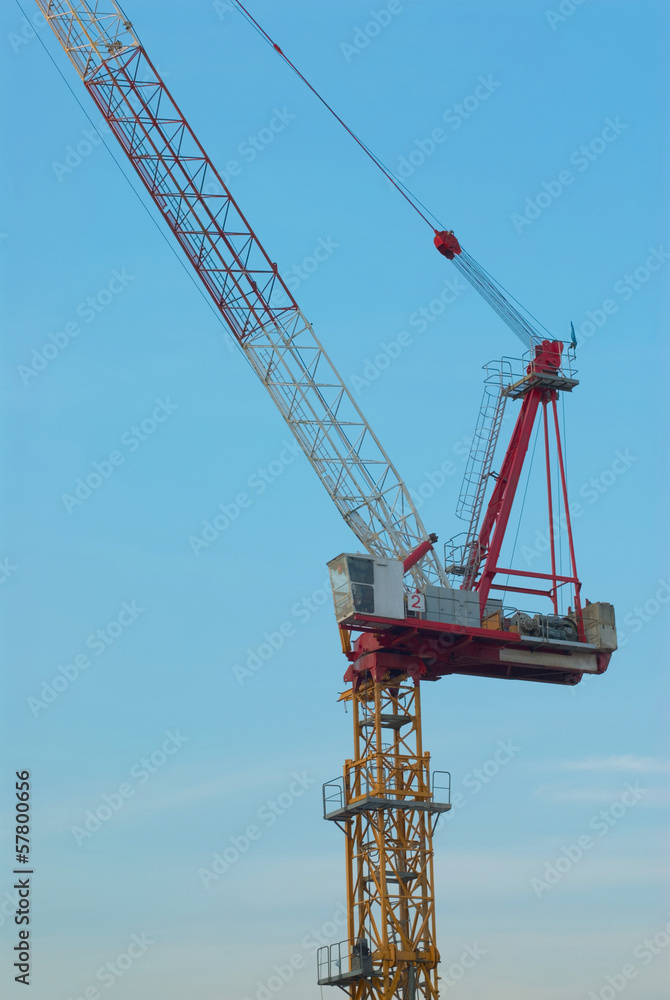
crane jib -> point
(242, 281)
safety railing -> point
(511, 369)
(462, 556)
(400, 784)
(441, 786)
(343, 961)
(333, 796)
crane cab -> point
(367, 585)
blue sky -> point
(160, 684)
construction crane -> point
(412, 623)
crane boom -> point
(243, 282)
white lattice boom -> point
(244, 284)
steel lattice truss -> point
(390, 849)
(244, 284)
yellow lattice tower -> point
(385, 804)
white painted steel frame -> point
(245, 285)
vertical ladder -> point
(459, 552)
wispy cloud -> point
(560, 794)
(475, 874)
(621, 765)
(183, 786)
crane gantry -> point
(412, 623)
